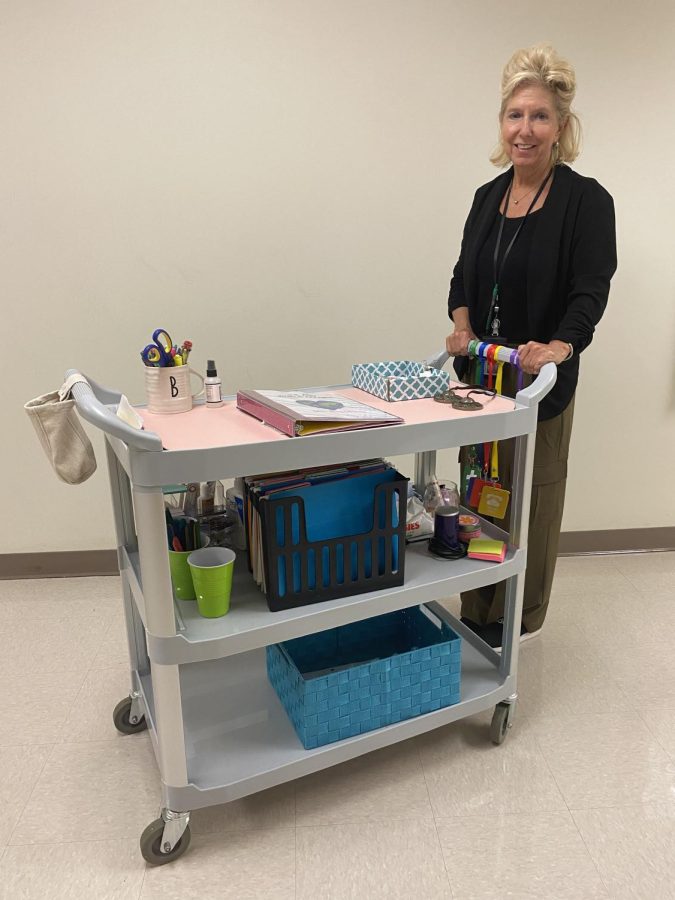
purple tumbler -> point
(446, 526)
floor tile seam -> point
(28, 745)
(458, 818)
(79, 840)
(101, 646)
(260, 829)
(73, 706)
(384, 822)
(627, 806)
(29, 673)
(620, 764)
(550, 772)
(434, 819)
(118, 740)
(48, 756)
(369, 823)
(572, 718)
(669, 753)
(591, 857)
(445, 865)
(373, 819)
(643, 589)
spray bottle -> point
(214, 397)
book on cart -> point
(300, 413)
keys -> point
(458, 402)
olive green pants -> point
(549, 479)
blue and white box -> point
(399, 379)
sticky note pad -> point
(484, 548)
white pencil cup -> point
(168, 388)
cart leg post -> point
(523, 464)
(160, 621)
(425, 470)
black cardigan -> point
(572, 260)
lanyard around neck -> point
(498, 268)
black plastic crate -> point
(299, 571)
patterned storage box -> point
(332, 687)
(399, 380)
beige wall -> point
(285, 183)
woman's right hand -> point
(457, 343)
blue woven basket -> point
(332, 687)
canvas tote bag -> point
(60, 431)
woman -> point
(537, 256)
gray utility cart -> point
(200, 685)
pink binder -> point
(321, 413)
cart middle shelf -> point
(250, 624)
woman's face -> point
(530, 128)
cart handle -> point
(93, 403)
(529, 396)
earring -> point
(556, 153)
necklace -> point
(516, 202)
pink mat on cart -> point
(227, 426)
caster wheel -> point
(500, 723)
(151, 844)
(122, 721)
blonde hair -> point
(542, 65)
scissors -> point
(159, 352)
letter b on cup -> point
(168, 389)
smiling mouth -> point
(524, 146)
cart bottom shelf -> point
(239, 739)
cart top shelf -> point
(227, 426)
(205, 445)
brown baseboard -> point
(60, 564)
(620, 540)
(80, 563)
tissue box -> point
(399, 380)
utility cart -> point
(200, 685)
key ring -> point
(466, 403)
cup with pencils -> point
(167, 374)
(183, 536)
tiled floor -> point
(579, 802)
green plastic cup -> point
(181, 576)
(212, 569)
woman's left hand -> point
(532, 355)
